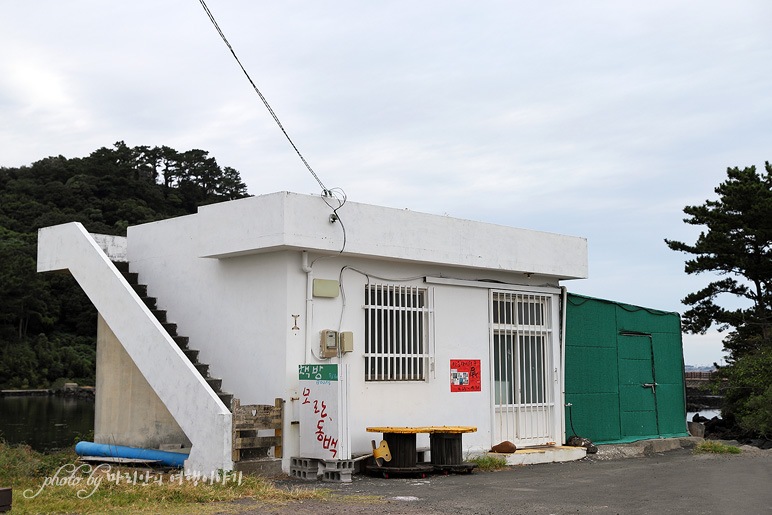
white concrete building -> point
(423, 299)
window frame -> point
(399, 333)
(521, 330)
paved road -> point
(675, 482)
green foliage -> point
(713, 447)
(748, 396)
(488, 462)
(47, 324)
(18, 462)
(737, 245)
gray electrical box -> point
(326, 288)
(347, 341)
(329, 345)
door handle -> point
(653, 386)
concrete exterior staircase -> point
(182, 341)
(181, 384)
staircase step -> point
(122, 266)
(141, 289)
(216, 384)
(226, 398)
(182, 341)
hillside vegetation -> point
(47, 324)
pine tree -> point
(737, 244)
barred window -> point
(397, 332)
(521, 330)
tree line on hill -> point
(47, 324)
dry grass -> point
(57, 484)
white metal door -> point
(523, 374)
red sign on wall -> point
(464, 375)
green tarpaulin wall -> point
(612, 350)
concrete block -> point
(307, 475)
(304, 463)
(305, 468)
(664, 445)
(690, 442)
(338, 465)
(696, 429)
(623, 450)
(337, 476)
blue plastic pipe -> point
(170, 459)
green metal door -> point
(637, 385)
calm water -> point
(707, 413)
(46, 422)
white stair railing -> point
(197, 409)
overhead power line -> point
(325, 191)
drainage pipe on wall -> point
(564, 297)
(309, 303)
(170, 459)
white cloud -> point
(599, 119)
(704, 349)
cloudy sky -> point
(599, 119)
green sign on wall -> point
(318, 372)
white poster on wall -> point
(324, 412)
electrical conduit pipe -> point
(309, 303)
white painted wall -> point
(233, 310)
(115, 247)
(287, 220)
(231, 277)
(461, 332)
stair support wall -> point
(198, 410)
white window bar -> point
(398, 332)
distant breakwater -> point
(698, 394)
(68, 390)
